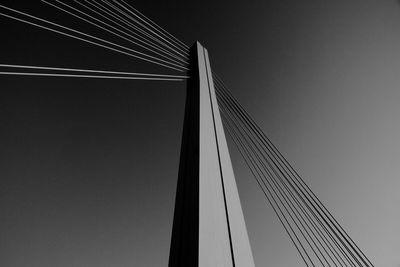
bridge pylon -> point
(208, 228)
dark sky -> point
(88, 168)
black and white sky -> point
(88, 168)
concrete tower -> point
(208, 228)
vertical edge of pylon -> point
(185, 235)
(214, 245)
(238, 232)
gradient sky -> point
(88, 168)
